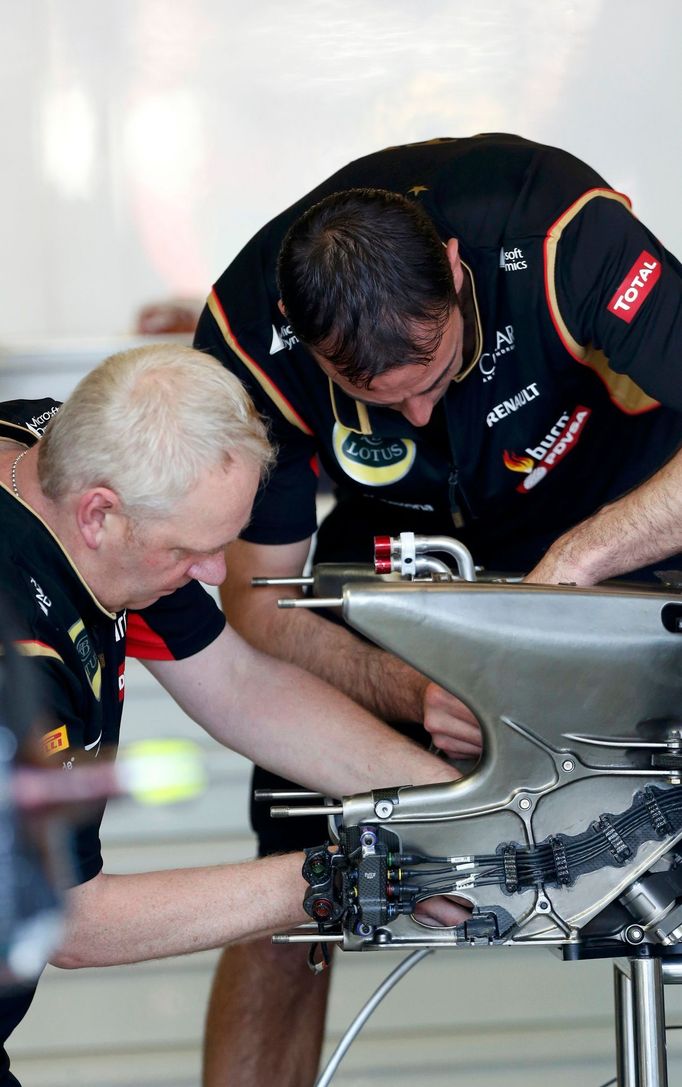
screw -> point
(524, 803)
(568, 765)
(543, 904)
(634, 934)
(383, 809)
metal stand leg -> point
(640, 1024)
(626, 1060)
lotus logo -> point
(376, 462)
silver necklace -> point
(14, 470)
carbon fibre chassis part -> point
(565, 833)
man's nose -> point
(211, 570)
(417, 410)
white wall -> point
(144, 141)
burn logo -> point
(550, 451)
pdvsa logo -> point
(504, 343)
(542, 458)
(512, 260)
(644, 274)
(376, 462)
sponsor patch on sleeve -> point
(638, 283)
(56, 741)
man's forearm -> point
(132, 918)
(379, 681)
(292, 722)
(642, 528)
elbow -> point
(68, 959)
(74, 953)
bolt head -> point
(383, 809)
(524, 803)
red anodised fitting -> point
(382, 555)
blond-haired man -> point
(142, 478)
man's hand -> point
(453, 727)
(442, 911)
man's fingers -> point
(452, 726)
(441, 911)
(455, 748)
(436, 699)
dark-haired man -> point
(474, 337)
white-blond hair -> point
(146, 423)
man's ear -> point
(280, 307)
(455, 261)
(94, 510)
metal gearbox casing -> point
(576, 690)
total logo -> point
(504, 343)
(283, 338)
(376, 462)
(513, 260)
(644, 274)
(542, 458)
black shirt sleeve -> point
(620, 290)
(284, 509)
(176, 626)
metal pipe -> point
(284, 811)
(306, 938)
(363, 1015)
(649, 1020)
(626, 1061)
(457, 550)
(307, 602)
(429, 565)
(257, 582)
(672, 971)
(261, 795)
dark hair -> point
(365, 279)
